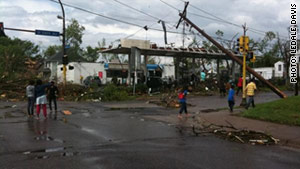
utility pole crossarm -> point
(183, 13)
(235, 58)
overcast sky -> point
(262, 15)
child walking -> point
(182, 101)
(231, 98)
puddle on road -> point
(89, 130)
(48, 138)
(47, 150)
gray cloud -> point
(259, 14)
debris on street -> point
(67, 112)
(229, 132)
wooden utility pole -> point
(232, 56)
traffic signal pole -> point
(65, 58)
(243, 103)
(233, 57)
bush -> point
(278, 81)
(141, 88)
(114, 93)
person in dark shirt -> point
(41, 98)
(222, 87)
(52, 94)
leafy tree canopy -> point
(14, 53)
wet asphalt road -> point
(97, 137)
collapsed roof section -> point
(153, 50)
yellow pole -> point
(244, 74)
(243, 103)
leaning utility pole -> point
(230, 54)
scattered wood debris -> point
(231, 133)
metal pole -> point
(64, 46)
(235, 58)
(243, 103)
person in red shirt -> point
(239, 85)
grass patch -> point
(283, 111)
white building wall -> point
(168, 71)
(265, 72)
(277, 65)
(83, 69)
(53, 68)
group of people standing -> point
(37, 95)
(250, 90)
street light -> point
(65, 58)
(60, 17)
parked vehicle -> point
(92, 80)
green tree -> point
(91, 54)
(270, 51)
(14, 53)
(51, 50)
(74, 33)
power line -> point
(154, 17)
(114, 19)
(228, 22)
(170, 27)
(170, 5)
(147, 14)
(218, 19)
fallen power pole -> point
(233, 57)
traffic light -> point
(246, 43)
(243, 42)
(237, 47)
(2, 29)
(251, 57)
(65, 60)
